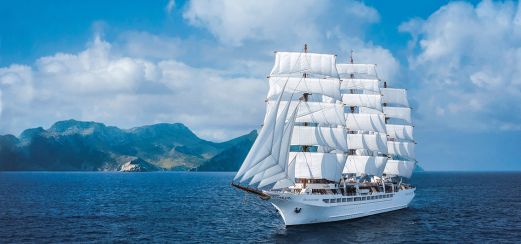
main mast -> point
(399, 126)
(364, 121)
(303, 114)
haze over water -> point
(202, 207)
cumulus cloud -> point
(170, 6)
(216, 86)
(466, 59)
(234, 22)
(98, 84)
(326, 26)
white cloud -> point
(232, 22)
(98, 84)
(467, 65)
(327, 26)
(145, 45)
(216, 87)
(297, 22)
(170, 6)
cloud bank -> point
(215, 85)
(466, 59)
(98, 84)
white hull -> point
(298, 209)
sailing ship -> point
(336, 143)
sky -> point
(204, 63)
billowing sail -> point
(324, 119)
(363, 100)
(402, 149)
(400, 168)
(322, 136)
(400, 132)
(364, 110)
(296, 63)
(270, 149)
(360, 84)
(315, 112)
(279, 170)
(401, 143)
(329, 87)
(357, 70)
(365, 122)
(367, 165)
(395, 96)
(315, 165)
(398, 113)
(372, 142)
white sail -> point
(372, 142)
(364, 110)
(363, 100)
(360, 84)
(296, 63)
(322, 113)
(289, 178)
(400, 168)
(280, 170)
(365, 122)
(398, 113)
(315, 112)
(329, 87)
(271, 146)
(402, 149)
(367, 165)
(395, 96)
(357, 70)
(315, 165)
(400, 132)
(322, 136)
(262, 145)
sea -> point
(195, 207)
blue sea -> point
(202, 207)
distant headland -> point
(73, 145)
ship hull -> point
(310, 209)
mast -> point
(305, 97)
(365, 121)
(401, 143)
(301, 111)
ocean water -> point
(202, 207)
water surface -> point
(202, 207)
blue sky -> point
(129, 63)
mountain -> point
(91, 146)
(231, 158)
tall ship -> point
(336, 142)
